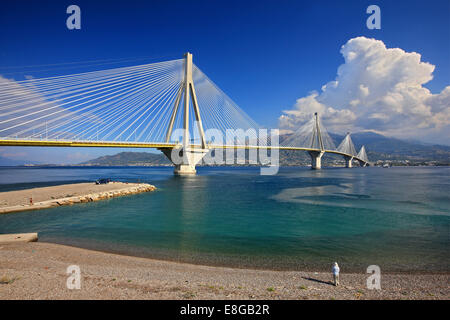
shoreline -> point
(37, 270)
(78, 166)
(236, 261)
(66, 194)
(309, 268)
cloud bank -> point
(378, 89)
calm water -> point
(397, 218)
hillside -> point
(10, 162)
(130, 159)
(379, 148)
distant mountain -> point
(5, 162)
(130, 159)
(378, 147)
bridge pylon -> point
(362, 157)
(348, 149)
(185, 157)
(316, 140)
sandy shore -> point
(38, 271)
(67, 194)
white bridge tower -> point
(186, 156)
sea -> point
(299, 219)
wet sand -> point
(38, 271)
(67, 194)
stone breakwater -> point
(112, 190)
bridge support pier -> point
(185, 157)
(348, 161)
(362, 163)
(185, 162)
(316, 159)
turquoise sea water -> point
(397, 218)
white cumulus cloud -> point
(379, 89)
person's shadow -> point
(319, 281)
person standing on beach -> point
(335, 271)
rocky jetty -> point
(111, 190)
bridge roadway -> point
(156, 145)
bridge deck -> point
(156, 145)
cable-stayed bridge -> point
(172, 106)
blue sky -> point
(263, 54)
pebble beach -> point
(37, 270)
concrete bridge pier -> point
(316, 159)
(362, 163)
(184, 162)
(348, 161)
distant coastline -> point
(379, 163)
(381, 150)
